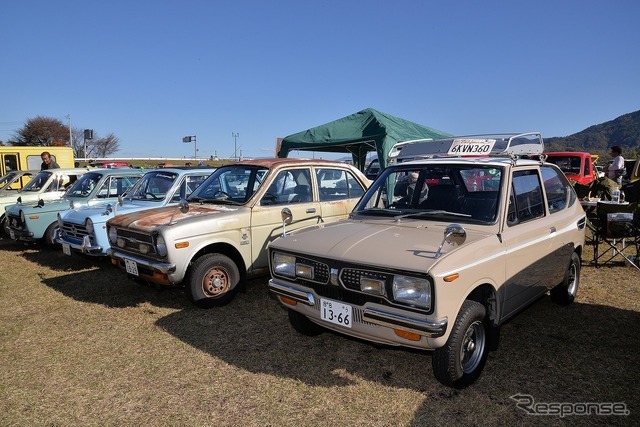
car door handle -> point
(552, 230)
(311, 210)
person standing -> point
(616, 169)
(48, 162)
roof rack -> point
(495, 145)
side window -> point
(525, 200)
(555, 188)
(11, 162)
(336, 184)
(289, 186)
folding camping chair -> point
(618, 233)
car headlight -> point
(284, 265)
(21, 216)
(89, 225)
(412, 290)
(60, 221)
(113, 235)
(161, 246)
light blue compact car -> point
(35, 221)
(84, 230)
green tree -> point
(40, 130)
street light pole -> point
(192, 138)
(235, 136)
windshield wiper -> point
(378, 211)
(432, 213)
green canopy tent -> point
(359, 133)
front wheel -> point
(566, 291)
(213, 281)
(50, 233)
(460, 361)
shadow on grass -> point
(110, 287)
(579, 353)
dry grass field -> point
(82, 345)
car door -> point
(290, 188)
(530, 239)
(338, 192)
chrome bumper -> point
(162, 267)
(86, 247)
(21, 234)
(372, 315)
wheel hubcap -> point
(215, 282)
(472, 347)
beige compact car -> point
(450, 241)
(218, 236)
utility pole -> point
(235, 136)
(70, 132)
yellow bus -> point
(28, 158)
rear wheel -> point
(214, 281)
(303, 325)
(566, 291)
(460, 361)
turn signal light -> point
(288, 300)
(407, 335)
(451, 277)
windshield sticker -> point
(471, 147)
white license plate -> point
(131, 267)
(66, 249)
(335, 312)
(12, 235)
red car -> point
(577, 166)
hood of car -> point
(147, 220)
(409, 245)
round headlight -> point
(144, 248)
(120, 242)
(161, 246)
(89, 225)
(21, 216)
(60, 222)
(113, 235)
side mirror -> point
(454, 234)
(183, 207)
(287, 218)
(40, 203)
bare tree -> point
(102, 147)
(40, 130)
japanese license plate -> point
(131, 267)
(471, 147)
(335, 312)
(66, 249)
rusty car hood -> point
(149, 219)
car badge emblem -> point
(334, 277)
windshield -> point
(38, 183)
(568, 164)
(8, 179)
(83, 186)
(468, 193)
(233, 184)
(153, 186)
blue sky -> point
(151, 72)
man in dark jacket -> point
(48, 162)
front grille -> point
(350, 277)
(340, 281)
(73, 231)
(133, 240)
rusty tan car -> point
(217, 238)
(450, 241)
